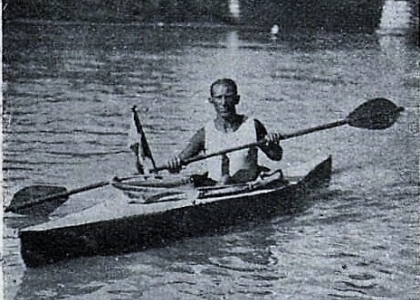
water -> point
(68, 90)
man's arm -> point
(194, 147)
(272, 149)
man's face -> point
(224, 99)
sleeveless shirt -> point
(242, 165)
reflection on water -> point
(67, 105)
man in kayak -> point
(229, 129)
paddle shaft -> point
(283, 137)
(14, 208)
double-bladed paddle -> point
(374, 114)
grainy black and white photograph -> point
(206, 150)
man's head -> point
(224, 96)
(227, 82)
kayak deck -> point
(115, 227)
(151, 188)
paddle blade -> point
(25, 201)
(379, 113)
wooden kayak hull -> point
(115, 227)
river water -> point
(68, 90)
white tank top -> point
(245, 161)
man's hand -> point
(273, 138)
(174, 164)
(272, 147)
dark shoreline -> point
(329, 15)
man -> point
(229, 129)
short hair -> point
(224, 81)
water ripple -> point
(67, 103)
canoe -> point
(125, 225)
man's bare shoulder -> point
(199, 136)
(260, 129)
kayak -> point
(128, 225)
